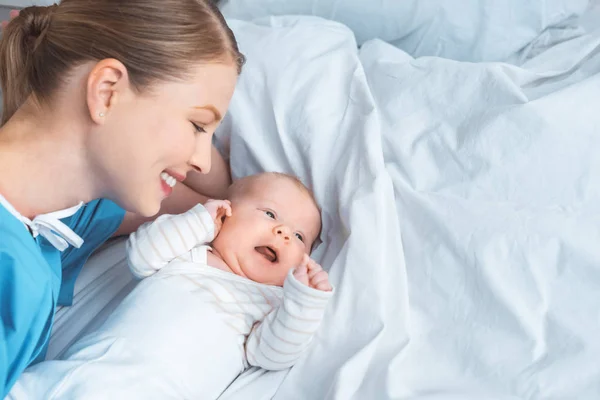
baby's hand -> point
(218, 210)
(312, 275)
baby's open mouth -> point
(267, 253)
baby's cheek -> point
(281, 273)
(298, 259)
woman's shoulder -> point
(13, 234)
(95, 223)
(19, 252)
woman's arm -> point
(212, 185)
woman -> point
(107, 105)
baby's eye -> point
(270, 214)
(299, 236)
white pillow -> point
(466, 30)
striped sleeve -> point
(279, 340)
(157, 243)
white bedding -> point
(103, 283)
(473, 30)
(461, 206)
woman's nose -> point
(283, 231)
(201, 159)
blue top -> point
(35, 277)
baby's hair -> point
(245, 185)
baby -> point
(226, 286)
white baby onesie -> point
(187, 330)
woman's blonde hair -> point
(156, 40)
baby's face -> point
(269, 232)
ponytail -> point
(20, 39)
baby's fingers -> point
(301, 274)
(313, 268)
(221, 212)
(321, 281)
(227, 207)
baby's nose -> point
(282, 231)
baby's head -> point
(274, 223)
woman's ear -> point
(107, 81)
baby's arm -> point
(157, 243)
(279, 340)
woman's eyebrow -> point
(213, 109)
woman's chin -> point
(151, 210)
(147, 208)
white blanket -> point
(461, 211)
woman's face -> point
(148, 141)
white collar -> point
(49, 226)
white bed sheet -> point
(461, 208)
(461, 211)
(104, 281)
(590, 20)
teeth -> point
(168, 179)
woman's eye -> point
(270, 214)
(299, 236)
(198, 128)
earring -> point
(101, 114)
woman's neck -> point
(42, 165)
